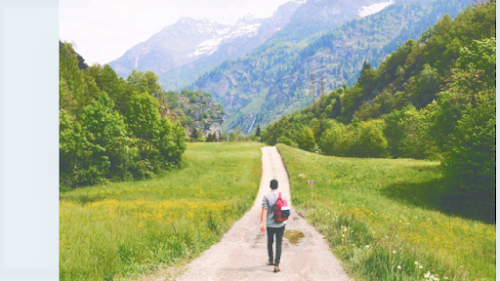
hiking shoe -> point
(276, 269)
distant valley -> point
(260, 69)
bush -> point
(415, 141)
(95, 147)
(305, 139)
(369, 140)
(118, 136)
(335, 140)
(470, 162)
(285, 140)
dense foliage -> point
(433, 98)
(194, 109)
(111, 128)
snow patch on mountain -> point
(223, 31)
(206, 47)
(374, 8)
(246, 30)
(209, 46)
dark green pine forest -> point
(433, 98)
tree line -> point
(112, 128)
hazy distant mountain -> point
(240, 43)
(199, 45)
(320, 15)
(185, 41)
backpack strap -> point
(279, 195)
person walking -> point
(273, 227)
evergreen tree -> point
(194, 135)
(257, 133)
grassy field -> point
(383, 220)
(123, 230)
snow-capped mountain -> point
(247, 26)
(206, 41)
(170, 47)
(246, 35)
(183, 42)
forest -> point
(274, 78)
(433, 98)
(113, 128)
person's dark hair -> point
(274, 184)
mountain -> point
(173, 46)
(275, 78)
(432, 98)
(416, 75)
(245, 35)
(180, 52)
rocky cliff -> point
(195, 111)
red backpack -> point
(281, 210)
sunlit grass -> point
(125, 229)
(384, 221)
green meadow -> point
(384, 220)
(127, 229)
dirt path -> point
(242, 252)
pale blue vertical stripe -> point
(29, 212)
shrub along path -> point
(242, 252)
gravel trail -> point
(242, 252)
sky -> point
(103, 30)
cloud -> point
(104, 29)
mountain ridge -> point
(275, 79)
(189, 40)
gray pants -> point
(271, 231)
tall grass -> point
(383, 218)
(122, 230)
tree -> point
(368, 76)
(470, 162)
(315, 127)
(481, 55)
(111, 129)
(194, 135)
(257, 133)
(145, 82)
(72, 94)
(142, 115)
(337, 107)
(415, 141)
(336, 139)
(393, 132)
(95, 146)
(369, 140)
(305, 138)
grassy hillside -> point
(126, 229)
(382, 219)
